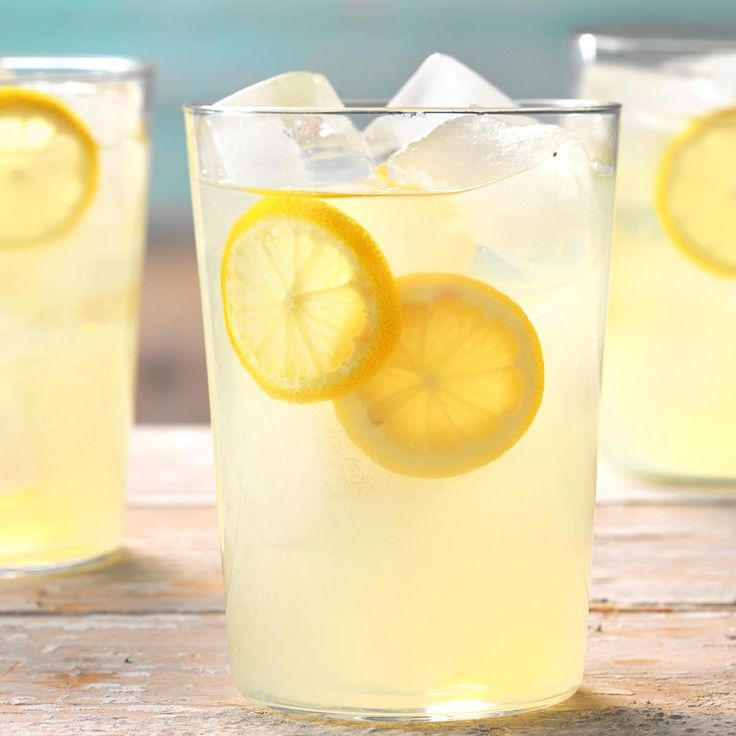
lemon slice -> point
(696, 191)
(48, 167)
(462, 386)
(310, 304)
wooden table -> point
(138, 646)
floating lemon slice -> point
(310, 303)
(48, 167)
(696, 191)
(462, 386)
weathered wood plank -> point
(644, 557)
(648, 673)
(236, 721)
(171, 466)
(661, 556)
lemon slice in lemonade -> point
(696, 191)
(310, 304)
(48, 167)
(462, 386)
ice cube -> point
(283, 150)
(535, 228)
(112, 111)
(472, 150)
(248, 150)
(443, 80)
(522, 193)
(440, 81)
(597, 134)
(293, 89)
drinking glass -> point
(404, 369)
(73, 174)
(669, 395)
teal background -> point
(204, 49)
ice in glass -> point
(73, 169)
(669, 395)
(404, 313)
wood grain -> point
(138, 645)
(176, 664)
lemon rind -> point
(41, 100)
(663, 179)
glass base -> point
(62, 566)
(463, 710)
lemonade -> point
(403, 379)
(73, 166)
(669, 398)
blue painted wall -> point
(206, 48)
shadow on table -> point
(126, 582)
(585, 714)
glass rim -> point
(533, 106)
(653, 37)
(73, 67)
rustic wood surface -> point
(137, 646)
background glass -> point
(669, 395)
(359, 591)
(68, 309)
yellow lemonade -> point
(73, 166)
(669, 398)
(406, 497)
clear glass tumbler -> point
(73, 182)
(404, 370)
(669, 394)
